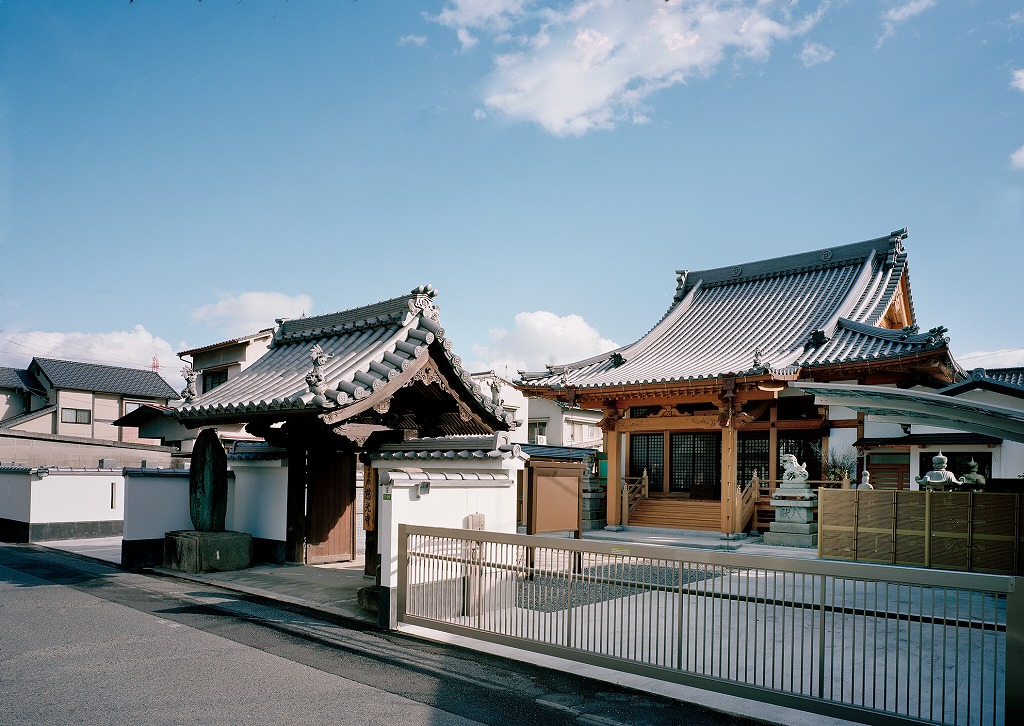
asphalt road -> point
(82, 642)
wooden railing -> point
(634, 491)
(743, 504)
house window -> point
(535, 429)
(130, 406)
(212, 379)
(696, 464)
(647, 451)
(75, 415)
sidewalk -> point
(332, 590)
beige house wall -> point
(11, 404)
(35, 449)
(74, 399)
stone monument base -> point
(791, 539)
(194, 551)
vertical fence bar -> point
(1013, 698)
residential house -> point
(62, 413)
(208, 366)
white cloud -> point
(537, 339)
(1005, 358)
(249, 312)
(901, 14)
(135, 348)
(580, 65)
(416, 40)
(1017, 79)
(1017, 159)
(815, 53)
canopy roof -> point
(940, 409)
(826, 307)
(353, 362)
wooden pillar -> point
(773, 445)
(295, 516)
(369, 524)
(728, 479)
(612, 441)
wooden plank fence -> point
(969, 531)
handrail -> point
(743, 507)
(634, 490)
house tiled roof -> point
(364, 350)
(265, 333)
(9, 423)
(77, 376)
(775, 315)
(18, 379)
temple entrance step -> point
(677, 514)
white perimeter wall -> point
(16, 496)
(155, 503)
(446, 505)
(260, 502)
(78, 497)
(73, 496)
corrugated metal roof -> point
(364, 349)
(77, 376)
(772, 315)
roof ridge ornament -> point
(816, 339)
(189, 391)
(315, 378)
(428, 290)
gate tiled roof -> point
(777, 315)
(365, 351)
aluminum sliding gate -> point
(869, 643)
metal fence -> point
(870, 643)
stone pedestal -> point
(194, 551)
(794, 524)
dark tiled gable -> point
(104, 379)
(18, 379)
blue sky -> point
(176, 174)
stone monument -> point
(795, 505)
(208, 547)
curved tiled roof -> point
(1008, 376)
(104, 379)
(761, 317)
(363, 351)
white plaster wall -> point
(260, 500)
(154, 505)
(78, 497)
(841, 413)
(446, 505)
(16, 496)
(873, 429)
(1008, 460)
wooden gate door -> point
(330, 510)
